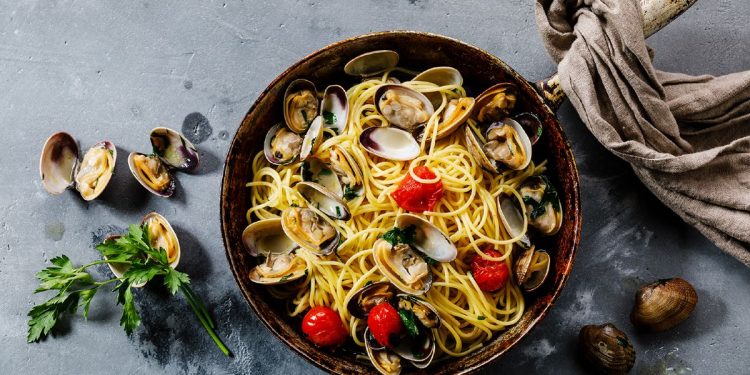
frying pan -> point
(418, 50)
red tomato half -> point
(490, 276)
(417, 197)
(323, 327)
(385, 324)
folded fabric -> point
(686, 137)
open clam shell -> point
(428, 239)
(546, 219)
(512, 220)
(335, 108)
(300, 105)
(403, 267)
(309, 230)
(403, 107)
(313, 138)
(324, 200)
(162, 235)
(495, 103)
(455, 114)
(278, 269)
(119, 269)
(96, 170)
(521, 142)
(363, 300)
(531, 269)
(531, 125)
(174, 149)
(389, 143)
(371, 63)
(282, 146)
(316, 170)
(419, 351)
(424, 312)
(58, 162)
(266, 237)
(384, 360)
(152, 174)
(441, 76)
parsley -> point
(329, 117)
(480, 317)
(75, 287)
(294, 204)
(324, 172)
(285, 277)
(368, 282)
(430, 261)
(338, 211)
(397, 235)
(549, 196)
(349, 193)
(407, 317)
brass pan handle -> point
(656, 15)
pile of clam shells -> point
(658, 306)
(60, 168)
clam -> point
(406, 269)
(313, 138)
(371, 63)
(543, 208)
(428, 239)
(419, 351)
(95, 170)
(384, 360)
(324, 200)
(403, 107)
(495, 103)
(606, 349)
(363, 300)
(60, 169)
(532, 268)
(119, 269)
(151, 173)
(441, 76)
(315, 170)
(389, 143)
(281, 265)
(531, 125)
(512, 220)
(663, 304)
(174, 149)
(300, 105)
(507, 146)
(335, 108)
(456, 112)
(163, 236)
(309, 230)
(282, 146)
(423, 311)
(267, 236)
(344, 164)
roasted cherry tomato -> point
(415, 196)
(490, 276)
(385, 324)
(323, 327)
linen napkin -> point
(686, 137)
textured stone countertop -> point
(114, 70)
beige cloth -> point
(687, 138)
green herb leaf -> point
(285, 277)
(480, 317)
(430, 261)
(397, 235)
(130, 319)
(174, 279)
(349, 193)
(324, 172)
(407, 317)
(338, 211)
(329, 117)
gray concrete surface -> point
(113, 70)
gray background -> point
(114, 70)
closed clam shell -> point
(663, 304)
(605, 349)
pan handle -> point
(656, 15)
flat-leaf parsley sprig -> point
(75, 287)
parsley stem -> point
(201, 307)
(202, 315)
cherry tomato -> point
(490, 276)
(385, 324)
(323, 327)
(415, 196)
